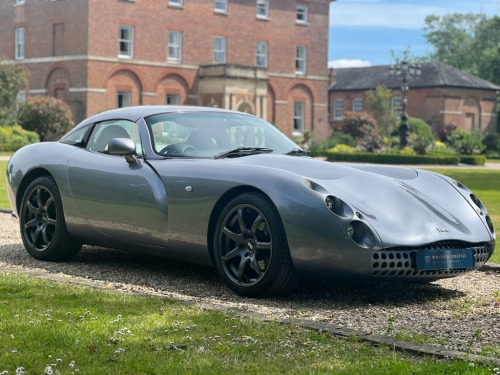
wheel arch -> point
(30, 176)
(219, 206)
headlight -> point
(338, 206)
(361, 234)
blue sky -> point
(363, 32)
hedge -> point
(473, 159)
(367, 157)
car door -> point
(126, 201)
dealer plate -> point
(449, 259)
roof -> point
(434, 74)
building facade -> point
(442, 96)
(264, 57)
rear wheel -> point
(250, 248)
(42, 224)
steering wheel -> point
(174, 149)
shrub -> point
(473, 159)
(441, 148)
(492, 142)
(335, 139)
(464, 143)
(407, 151)
(343, 149)
(421, 138)
(13, 138)
(368, 157)
(47, 116)
(363, 128)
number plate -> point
(444, 259)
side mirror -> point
(124, 147)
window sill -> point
(174, 61)
(262, 18)
(126, 57)
(175, 6)
(302, 23)
(297, 134)
(221, 12)
(302, 74)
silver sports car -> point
(226, 188)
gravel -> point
(462, 313)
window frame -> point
(176, 96)
(299, 118)
(357, 105)
(262, 5)
(261, 55)
(301, 60)
(126, 94)
(176, 3)
(222, 52)
(20, 2)
(304, 9)
(338, 109)
(175, 45)
(19, 43)
(224, 3)
(128, 42)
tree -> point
(47, 116)
(379, 106)
(469, 42)
(12, 79)
(363, 128)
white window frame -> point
(126, 99)
(299, 118)
(20, 2)
(220, 50)
(262, 54)
(19, 43)
(220, 6)
(397, 105)
(338, 109)
(172, 99)
(128, 42)
(262, 9)
(357, 105)
(302, 14)
(301, 60)
(174, 48)
(176, 3)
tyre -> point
(250, 248)
(42, 224)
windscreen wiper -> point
(243, 151)
(298, 152)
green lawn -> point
(48, 327)
(4, 201)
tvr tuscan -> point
(226, 188)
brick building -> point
(265, 57)
(442, 96)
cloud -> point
(344, 63)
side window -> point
(107, 130)
(77, 137)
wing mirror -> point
(124, 147)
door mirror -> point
(124, 147)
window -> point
(300, 59)
(261, 54)
(126, 41)
(105, 131)
(220, 47)
(301, 13)
(19, 43)
(177, 3)
(77, 137)
(172, 99)
(357, 105)
(397, 106)
(123, 99)
(338, 109)
(174, 46)
(220, 6)
(262, 8)
(298, 117)
(19, 2)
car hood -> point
(404, 206)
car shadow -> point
(172, 277)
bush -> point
(335, 139)
(464, 143)
(363, 128)
(12, 138)
(344, 149)
(492, 142)
(368, 157)
(421, 138)
(47, 116)
(473, 159)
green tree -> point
(469, 42)
(49, 117)
(421, 138)
(12, 79)
(379, 106)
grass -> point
(4, 200)
(486, 186)
(47, 327)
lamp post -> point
(404, 72)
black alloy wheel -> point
(42, 224)
(251, 251)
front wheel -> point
(42, 224)
(250, 248)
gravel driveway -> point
(461, 313)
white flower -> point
(48, 370)
(20, 371)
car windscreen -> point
(209, 134)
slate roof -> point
(434, 74)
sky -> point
(363, 32)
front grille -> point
(401, 261)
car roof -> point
(136, 112)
